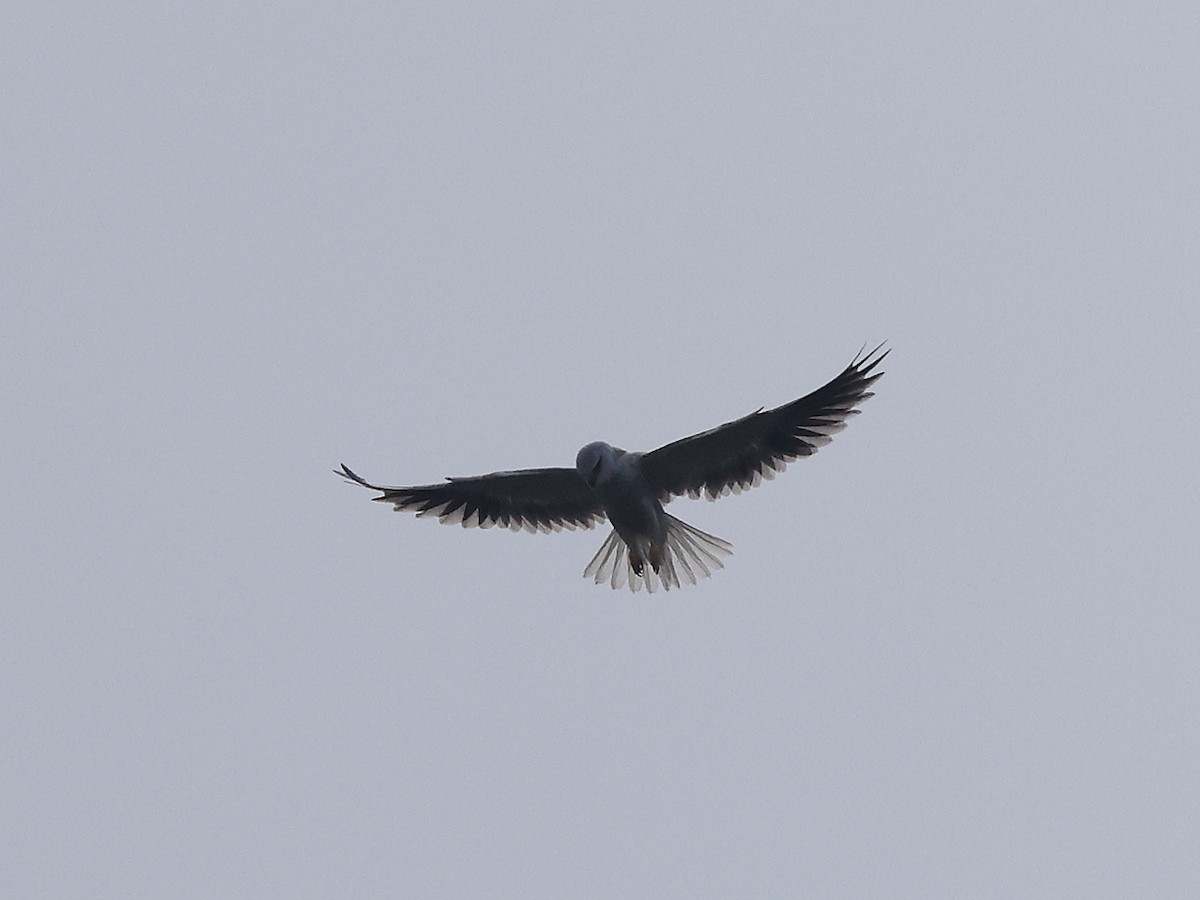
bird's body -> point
(648, 546)
(631, 506)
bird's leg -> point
(656, 557)
(636, 562)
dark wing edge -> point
(738, 455)
(543, 500)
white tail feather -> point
(690, 554)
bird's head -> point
(591, 460)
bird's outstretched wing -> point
(533, 499)
(739, 454)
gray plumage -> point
(647, 546)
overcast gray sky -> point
(954, 655)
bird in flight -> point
(647, 546)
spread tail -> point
(689, 554)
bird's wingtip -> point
(864, 361)
(348, 475)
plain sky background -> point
(955, 653)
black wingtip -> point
(865, 362)
(348, 476)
